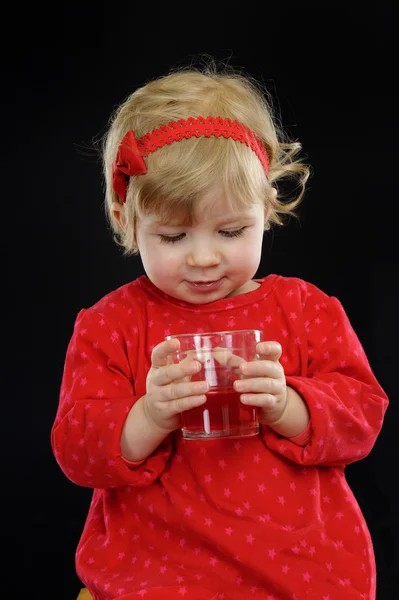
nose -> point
(203, 256)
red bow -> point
(128, 162)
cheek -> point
(246, 262)
(248, 252)
(159, 259)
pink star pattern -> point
(199, 520)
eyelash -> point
(167, 239)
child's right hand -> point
(170, 390)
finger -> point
(168, 410)
(165, 375)
(199, 355)
(262, 368)
(270, 350)
(263, 385)
(183, 389)
(182, 404)
(222, 356)
(259, 400)
(227, 359)
(162, 351)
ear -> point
(118, 212)
(272, 194)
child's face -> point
(213, 258)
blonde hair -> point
(179, 173)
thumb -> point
(161, 352)
(269, 350)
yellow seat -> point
(84, 594)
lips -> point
(204, 286)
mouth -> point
(205, 286)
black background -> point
(331, 69)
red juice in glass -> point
(220, 355)
(223, 415)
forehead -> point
(214, 206)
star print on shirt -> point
(193, 499)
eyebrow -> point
(224, 221)
(240, 219)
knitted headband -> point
(129, 158)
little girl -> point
(192, 161)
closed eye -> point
(228, 233)
(171, 239)
(233, 232)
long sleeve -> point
(346, 402)
(97, 393)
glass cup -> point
(220, 353)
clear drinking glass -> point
(220, 354)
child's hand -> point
(264, 385)
(169, 389)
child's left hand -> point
(264, 385)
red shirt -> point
(260, 517)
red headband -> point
(129, 158)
